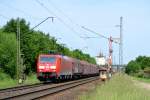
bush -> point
(147, 72)
(139, 67)
(140, 74)
(3, 76)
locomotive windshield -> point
(47, 59)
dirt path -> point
(142, 84)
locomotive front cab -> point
(47, 67)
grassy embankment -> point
(6, 81)
(146, 80)
(120, 87)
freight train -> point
(58, 67)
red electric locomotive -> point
(59, 67)
(53, 66)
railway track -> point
(43, 90)
(13, 91)
(19, 87)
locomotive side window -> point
(47, 59)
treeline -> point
(32, 43)
(139, 67)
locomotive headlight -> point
(41, 67)
(52, 67)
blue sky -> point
(99, 15)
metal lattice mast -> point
(121, 43)
(18, 50)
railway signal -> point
(110, 40)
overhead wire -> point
(80, 26)
(95, 32)
(112, 39)
(20, 11)
(69, 19)
(59, 10)
(63, 13)
(61, 20)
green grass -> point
(6, 81)
(142, 79)
(120, 87)
(31, 79)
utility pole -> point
(121, 43)
(19, 61)
(18, 51)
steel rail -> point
(16, 88)
(50, 90)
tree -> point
(80, 55)
(8, 53)
(143, 61)
(34, 43)
(139, 67)
(11, 26)
(132, 67)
